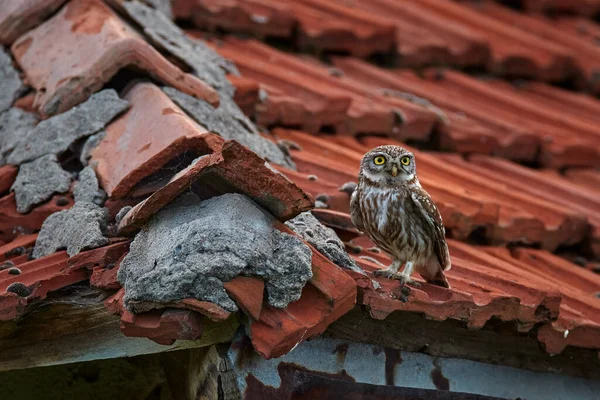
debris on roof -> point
(38, 180)
(324, 239)
(15, 124)
(56, 134)
(12, 87)
(64, 78)
(229, 122)
(206, 63)
(209, 243)
(230, 163)
(81, 227)
(87, 189)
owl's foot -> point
(386, 273)
(408, 281)
(405, 278)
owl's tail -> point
(439, 280)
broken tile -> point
(247, 292)
(225, 172)
(201, 234)
(8, 173)
(38, 180)
(56, 134)
(13, 223)
(17, 247)
(51, 273)
(11, 86)
(81, 227)
(329, 294)
(15, 124)
(64, 78)
(229, 122)
(163, 326)
(144, 140)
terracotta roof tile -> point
(261, 17)
(330, 294)
(426, 37)
(501, 108)
(13, 223)
(585, 54)
(162, 147)
(136, 146)
(105, 44)
(8, 173)
(578, 322)
(321, 26)
(477, 198)
(17, 17)
(320, 98)
(220, 172)
(588, 178)
(51, 273)
(470, 125)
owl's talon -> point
(409, 282)
(385, 274)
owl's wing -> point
(355, 213)
(432, 216)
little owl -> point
(396, 213)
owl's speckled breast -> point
(393, 222)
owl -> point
(394, 211)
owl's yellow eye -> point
(379, 160)
(405, 160)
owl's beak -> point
(394, 170)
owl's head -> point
(389, 165)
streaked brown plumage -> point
(394, 211)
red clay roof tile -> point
(224, 171)
(480, 197)
(304, 92)
(578, 323)
(321, 26)
(138, 144)
(425, 37)
(248, 293)
(263, 18)
(64, 77)
(329, 294)
(585, 54)
(13, 223)
(8, 173)
(51, 273)
(17, 17)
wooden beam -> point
(496, 343)
(77, 327)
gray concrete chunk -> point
(88, 189)
(11, 86)
(81, 227)
(56, 134)
(14, 126)
(323, 239)
(191, 247)
(38, 180)
(229, 122)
